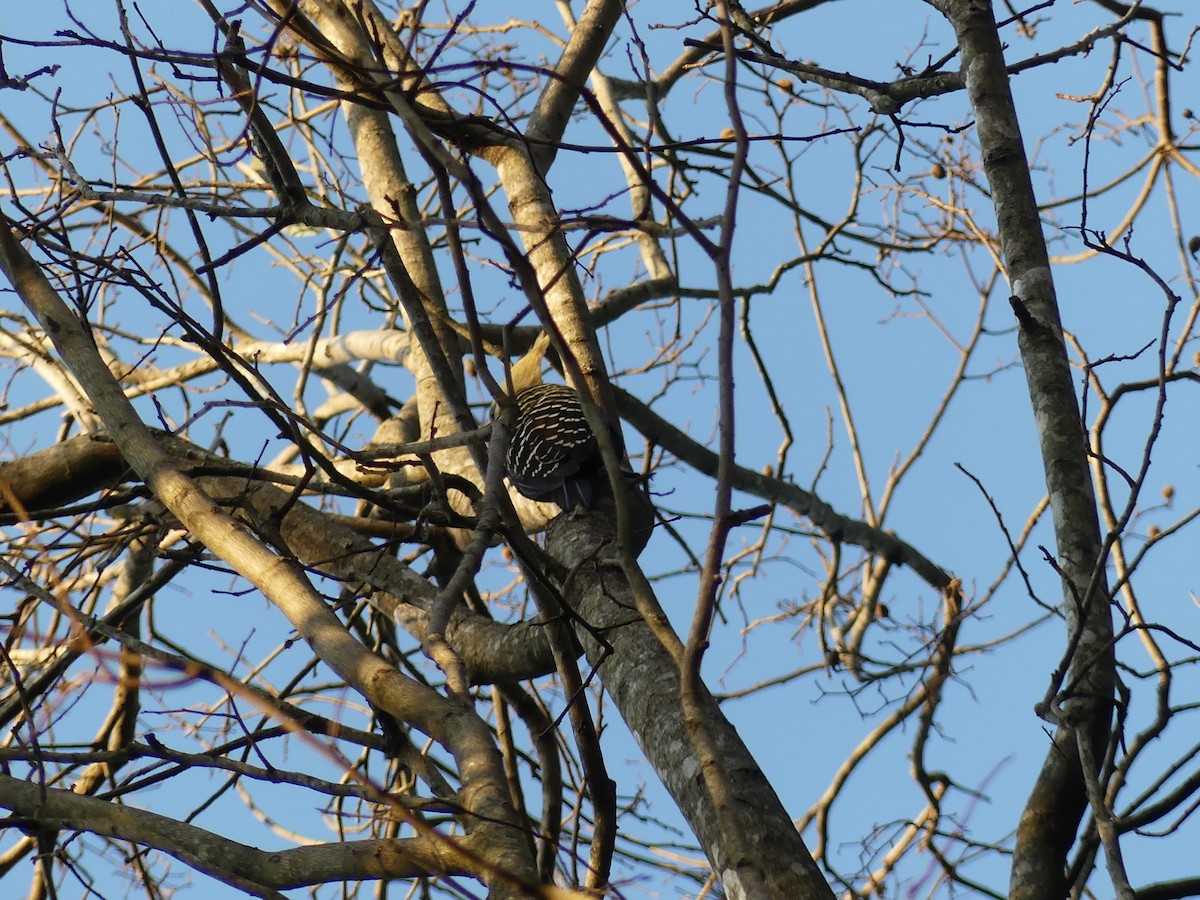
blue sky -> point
(896, 359)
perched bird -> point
(553, 454)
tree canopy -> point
(874, 310)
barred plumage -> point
(553, 454)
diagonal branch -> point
(262, 873)
(801, 502)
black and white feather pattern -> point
(553, 454)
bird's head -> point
(527, 371)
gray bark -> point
(1058, 800)
(643, 679)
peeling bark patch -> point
(1032, 283)
(691, 768)
(733, 885)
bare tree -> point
(279, 619)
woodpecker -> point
(553, 454)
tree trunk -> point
(1052, 813)
(643, 680)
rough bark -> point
(644, 682)
(1052, 814)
